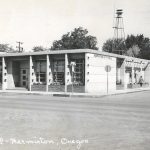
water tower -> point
(119, 34)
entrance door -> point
(16, 73)
(24, 77)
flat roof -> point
(70, 51)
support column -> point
(86, 70)
(4, 74)
(132, 75)
(147, 74)
(47, 72)
(30, 72)
(141, 72)
(66, 66)
(67, 72)
(123, 74)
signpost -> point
(107, 69)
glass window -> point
(79, 72)
(24, 83)
(59, 70)
(24, 71)
(40, 71)
(24, 77)
(59, 66)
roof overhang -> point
(70, 51)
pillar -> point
(141, 71)
(123, 74)
(47, 72)
(86, 70)
(67, 72)
(147, 74)
(31, 71)
(132, 78)
(49, 76)
(4, 74)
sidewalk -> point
(62, 94)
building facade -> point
(92, 71)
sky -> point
(40, 22)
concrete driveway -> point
(33, 122)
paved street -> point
(120, 122)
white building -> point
(92, 71)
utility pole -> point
(20, 49)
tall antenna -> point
(119, 34)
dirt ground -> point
(33, 122)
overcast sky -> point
(40, 22)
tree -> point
(6, 48)
(145, 53)
(38, 48)
(134, 51)
(112, 46)
(142, 42)
(138, 40)
(77, 39)
(135, 46)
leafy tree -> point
(142, 42)
(113, 46)
(77, 39)
(138, 40)
(135, 46)
(145, 53)
(134, 51)
(38, 48)
(6, 48)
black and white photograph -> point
(74, 75)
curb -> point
(74, 94)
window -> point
(23, 71)
(41, 71)
(24, 83)
(78, 76)
(24, 77)
(59, 69)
